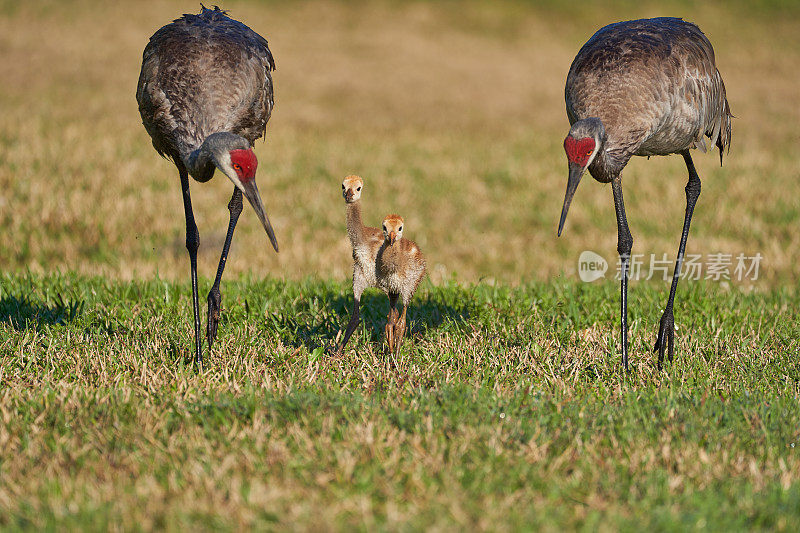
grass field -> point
(507, 408)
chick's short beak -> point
(392, 237)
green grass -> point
(505, 409)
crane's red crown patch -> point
(579, 151)
(244, 162)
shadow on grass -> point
(425, 312)
(22, 313)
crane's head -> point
(392, 228)
(582, 144)
(351, 188)
(233, 155)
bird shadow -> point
(426, 312)
(23, 313)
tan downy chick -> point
(399, 268)
(366, 242)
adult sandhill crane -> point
(643, 87)
(205, 95)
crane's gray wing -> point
(654, 84)
(204, 74)
(698, 88)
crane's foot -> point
(666, 337)
(214, 308)
(389, 330)
(388, 335)
(399, 331)
(335, 350)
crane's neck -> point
(608, 163)
(355, 227)
(200, 163)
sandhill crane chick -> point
(365, 242)
(400, 267)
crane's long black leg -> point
(666, 329)
(214, 296)
(192, 244)
(624, 245)
(351, 326)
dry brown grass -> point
(452, 113)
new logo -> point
(591, 266)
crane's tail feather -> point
(721, 135)
(717, 115)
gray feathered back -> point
(204, 74)
(654, 84)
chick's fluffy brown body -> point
(366, 242)
(400, 268)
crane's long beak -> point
(575, 174)
(251, 193)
